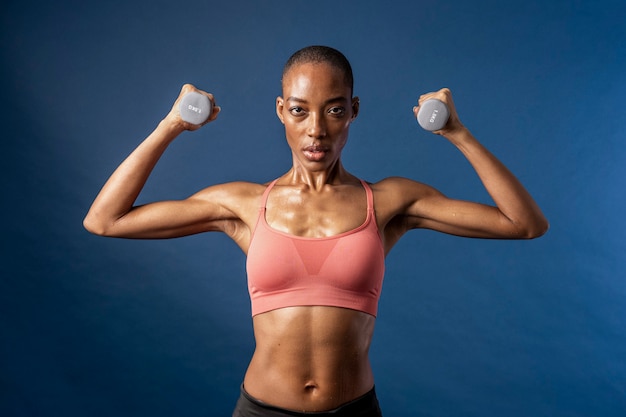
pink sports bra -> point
(345, 270)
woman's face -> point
(316, 108)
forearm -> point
(509, 195)
(118, 195)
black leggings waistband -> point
(365, 406)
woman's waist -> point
(311, 355)
(307, 384)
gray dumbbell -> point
(433, 114)
(195, 108)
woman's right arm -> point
(113, 212)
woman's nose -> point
(317, 126)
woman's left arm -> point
(516, 215)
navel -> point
(310, 387)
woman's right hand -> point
(175, 118)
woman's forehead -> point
(314, 76)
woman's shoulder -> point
(237, 188)
(398, 193)
(233, 194)
(398, 185)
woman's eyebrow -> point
(330, 100)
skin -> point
(313, 358)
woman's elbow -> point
(536, 229)
(92, 225)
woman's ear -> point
(279, 108)
(355, 107)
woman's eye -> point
(337, 111)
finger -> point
(443, 94)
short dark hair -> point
(322, 54)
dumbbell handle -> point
(433, 114)
(195, 108)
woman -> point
(315, 238)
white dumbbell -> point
(433, 114)
(195, 108)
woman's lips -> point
(315, 153)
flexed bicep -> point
(222, 208)
(437, 212)
(167, 219)
(406, 205)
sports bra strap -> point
(370, 196)
(266, 193)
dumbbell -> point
(433, 114)
(195, 108)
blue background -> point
(104, 327)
